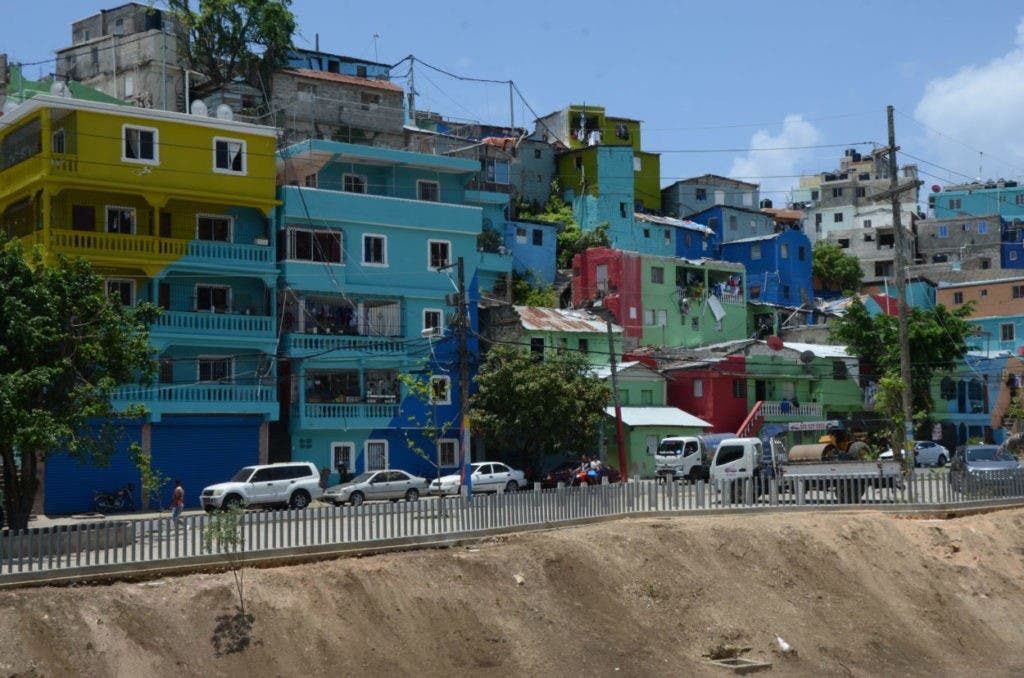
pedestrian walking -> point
(342, 471)
(177, 502)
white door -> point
(376, 455)
(652, 444)
(483, 478)
(500, 475)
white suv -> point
(293, 484)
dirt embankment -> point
(854, 594)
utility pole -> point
(901, 291)
(412, 91)
(465, 454)
(619, 435)
(511, 107)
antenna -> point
(376, 37)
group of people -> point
(589, 471)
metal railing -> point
(91, 547)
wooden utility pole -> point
(619, 435)
(901, 291)
(465, 454)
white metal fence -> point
(94, 546)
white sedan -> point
(390, 484)
(926, 453)
(488, 476)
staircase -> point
(752, 424)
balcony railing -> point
(299, 344)
(194, 393)
(115, 244)
(225, 252)
(187, 322)
(333, 414)
(784, 408)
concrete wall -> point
(991, 298)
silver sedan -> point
(390, 484)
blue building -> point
(530, 244)
(316, 60)
(694, 195)
(1012, 245)
(1005, 198)
(735, 223)
(778, 267)
(365, 294)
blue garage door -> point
(201, 451)
(69, 485)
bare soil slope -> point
(854, 594)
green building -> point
(643, 429)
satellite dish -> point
(224, 112)
(774, 343)
(807, 357)
(936, 188)
(199, 108)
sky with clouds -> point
(709, 81)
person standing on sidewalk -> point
(177, 502)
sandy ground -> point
(855, 594)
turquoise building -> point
(367, 241)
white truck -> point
(821, 467)
(686, 458)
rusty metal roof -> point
(561, 320)
(341, 77)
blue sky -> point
(701, 76)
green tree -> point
(836, 268)
(532, 293)
(536, 407)
(572, 240)
(227, 39)
(152, 479)
(64, 348)
(938, 338)
(428, 424)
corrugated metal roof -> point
(657, 416)
(819, 350)
(669, 221)
(341, 77)
(755, 238)
(561, 320)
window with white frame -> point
(376, 455)
(649, 317)
(229, 155)
(428, 190)
(213, 298)
(433, 320)
(215, 368)
(140, 144)
(121, 289)
(353, 183)
(448, 452)
(305, 244)
(343, 453)
(375, 250)
(214, 227)
(440, 390)
(662, 317)
(438, 254)
(120, 220)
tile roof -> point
(341, 77)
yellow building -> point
(174, 209)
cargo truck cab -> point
(681, 457)
(737, 459)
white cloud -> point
(760, 165)
(978, 106)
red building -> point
(613, 276)
(714, 390)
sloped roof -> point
(561, 320)
(819, 350)
(755, 238)
(889, 305)
(657, 416)
(669, 221)
(342, 78)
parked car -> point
(976, 466)
(292, 484)
(488, 476)
(567, 473)
(926, 453)
(392, 484)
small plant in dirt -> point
(224, 534)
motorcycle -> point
(121, 500)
